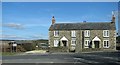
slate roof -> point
(83, 26)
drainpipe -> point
(82, 39)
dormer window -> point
(56, 33)
(87, 33)
(105, 33)
(73, 33)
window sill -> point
(86, 36)
(106, 47)
(73, 36)
(105, 36)
(86, 47)
(56, 36)
(73, 44)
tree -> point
(118, 39)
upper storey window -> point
(56, 33)
(87, 33)
(105, 33)
(73, 33)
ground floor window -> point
(56, 43)
(106, 44)
(86, 44)
(73, 42)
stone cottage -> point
(84, 36)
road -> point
(96, 58)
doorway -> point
(64, 43)
(96, 43)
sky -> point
(31, 20)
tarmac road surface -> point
(96, 58)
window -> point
(73, 42)
(73, 34)
(106, 43)
(86, 44)
(56, 33)
(105, 33)
(87, 33)
(56, 43)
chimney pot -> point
(53, 20)
(113, 17)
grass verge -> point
(8, 53)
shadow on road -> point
(56, 64)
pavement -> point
(94, 58)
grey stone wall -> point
(79, 41)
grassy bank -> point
(8, 53)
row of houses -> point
(84, 36)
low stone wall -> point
(90, 49)
(58, 49)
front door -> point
(96, 43)
(64, 43)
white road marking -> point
(84, 60)
(105, 57)
(111, 58)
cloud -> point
(31, 37)
(39, 36)
(12, 37)
(35, 25)
(7, 36)
(13, 25)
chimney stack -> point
(53, 20)
(113, 17)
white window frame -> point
(86, 43)
(106, 33)
(56, 43)
(87, 33)
(73, 33)
(106, 43)
(73, 44)
(56, 33)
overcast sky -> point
(31, 20)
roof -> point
(83, 26)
